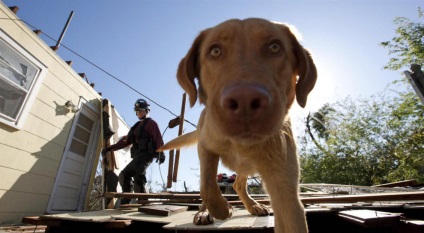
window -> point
(20, 75)
(82, 134)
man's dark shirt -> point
(152, 130)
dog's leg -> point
(281, 178)
(240, 185)
(211, 195)
(289, 215)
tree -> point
(375, 140)
(366, 142)
(407, 47)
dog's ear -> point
(189, 69)
(307, 75)
(306, 71)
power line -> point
(101, 69)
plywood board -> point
(91, 216)
(371, 218)
(241, 220)
(139, 216)
(162, 210)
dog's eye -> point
(215, 51)
(274, 48)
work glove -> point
(161, 158)
(104, 152)
(104, 156)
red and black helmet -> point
(141, 104)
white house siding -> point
(30, 156)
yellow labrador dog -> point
(248, 74)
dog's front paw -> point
(221, 210)
(202, 218)
(260, 210)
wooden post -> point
(109, 162)
(180, 131)
(170, 169)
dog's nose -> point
(245, 102)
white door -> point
(71, 184)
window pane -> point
(15, 67)
(78, 147)
(11, 99)
(85, 122)
(82, 134)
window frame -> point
(32, 91)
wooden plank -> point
(151, 195)
(170, 169)
(143, 217)
(241, 220)
(36, 220)
(371, 218)
(398, 196)
(165, 195)
(90, 216)
(23, 229)
(403, 183)
(117, 223)
(267, 222)
(413, 226)
(173, 201)
(55, 221)
(415, 222)
(162, 210)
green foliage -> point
(407, 46)
(366, 142)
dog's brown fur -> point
(249, 73)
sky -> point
(131, 49)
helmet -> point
(141, 104)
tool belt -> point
(144, 148)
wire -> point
(101, 69)
(164, 131)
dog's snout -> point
(245, 102)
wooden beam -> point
(170, 169)
(399, 184)
(36, 220)
(371, 218)
(162, 210)
(14, 9)
(397, 196)
(37, 31)
(180, 132)
(145, 196)
(54, 48)
(117, 223)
